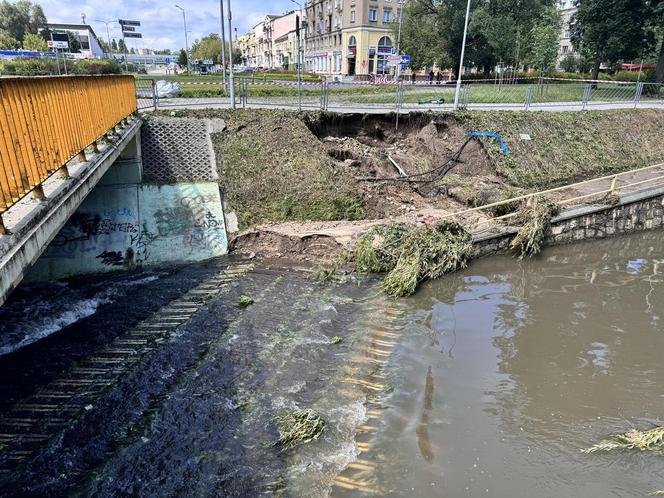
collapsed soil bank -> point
(279, 166)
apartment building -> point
(272, 43)
(350, 37)
(567, 10)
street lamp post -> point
(299, 57)
(108, 33)
(231, 80)
(398, 71)
(463, 52)
(186, 39)
(223, 44)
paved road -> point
(314, 104)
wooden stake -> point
(3, 229)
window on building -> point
(352, 16)
(566, 34)
(373, 15)
(384, 51)
(565, 49)
(387, 16)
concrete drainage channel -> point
(37, 419)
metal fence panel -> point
(146, 97)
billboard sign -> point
(125, 22)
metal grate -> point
(179, 149)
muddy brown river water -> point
(489, 382)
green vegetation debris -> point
(412, 255)
(336, 340)
(246, 301)
(298, 427)
(657, 493)
(534, 218)
(633, 439)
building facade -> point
(567, 10)
(271, 44)
(86, 37)
(350, 37)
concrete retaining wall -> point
(122, 226)
(643, 210)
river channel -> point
(488, 382)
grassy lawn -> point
(479, 93)
(216, 78)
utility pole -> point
(298, 20)
(223, 44)
(399, 36)
(463, 52)
(186, 39)
(230, 50)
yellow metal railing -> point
(45, 122)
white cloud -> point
(161, 22)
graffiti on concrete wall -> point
(135, 225)
(82, 232)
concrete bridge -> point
(72, 189)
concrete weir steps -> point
(33, 421)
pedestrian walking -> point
(413, 77)
(431, 77)
(439, 77)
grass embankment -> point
(273, 169)
(570, 146)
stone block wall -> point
(643, 210)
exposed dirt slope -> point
(279, 166)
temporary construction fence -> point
(535, 93)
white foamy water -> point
(51, 308)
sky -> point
(161, 22)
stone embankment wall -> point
(643, 210)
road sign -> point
(125, 22)
(405, 59)
(133, 35)
(128, 28)
(58, 44)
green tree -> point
(569, 64)
(104, 46)
(114, 45)
(121, 46)
(34, 42)
(21, 18)
(237, 56)
(611, 30)
(656, 27)
(182, 58)
(544, 40)
(8, 42)
(433, 31)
